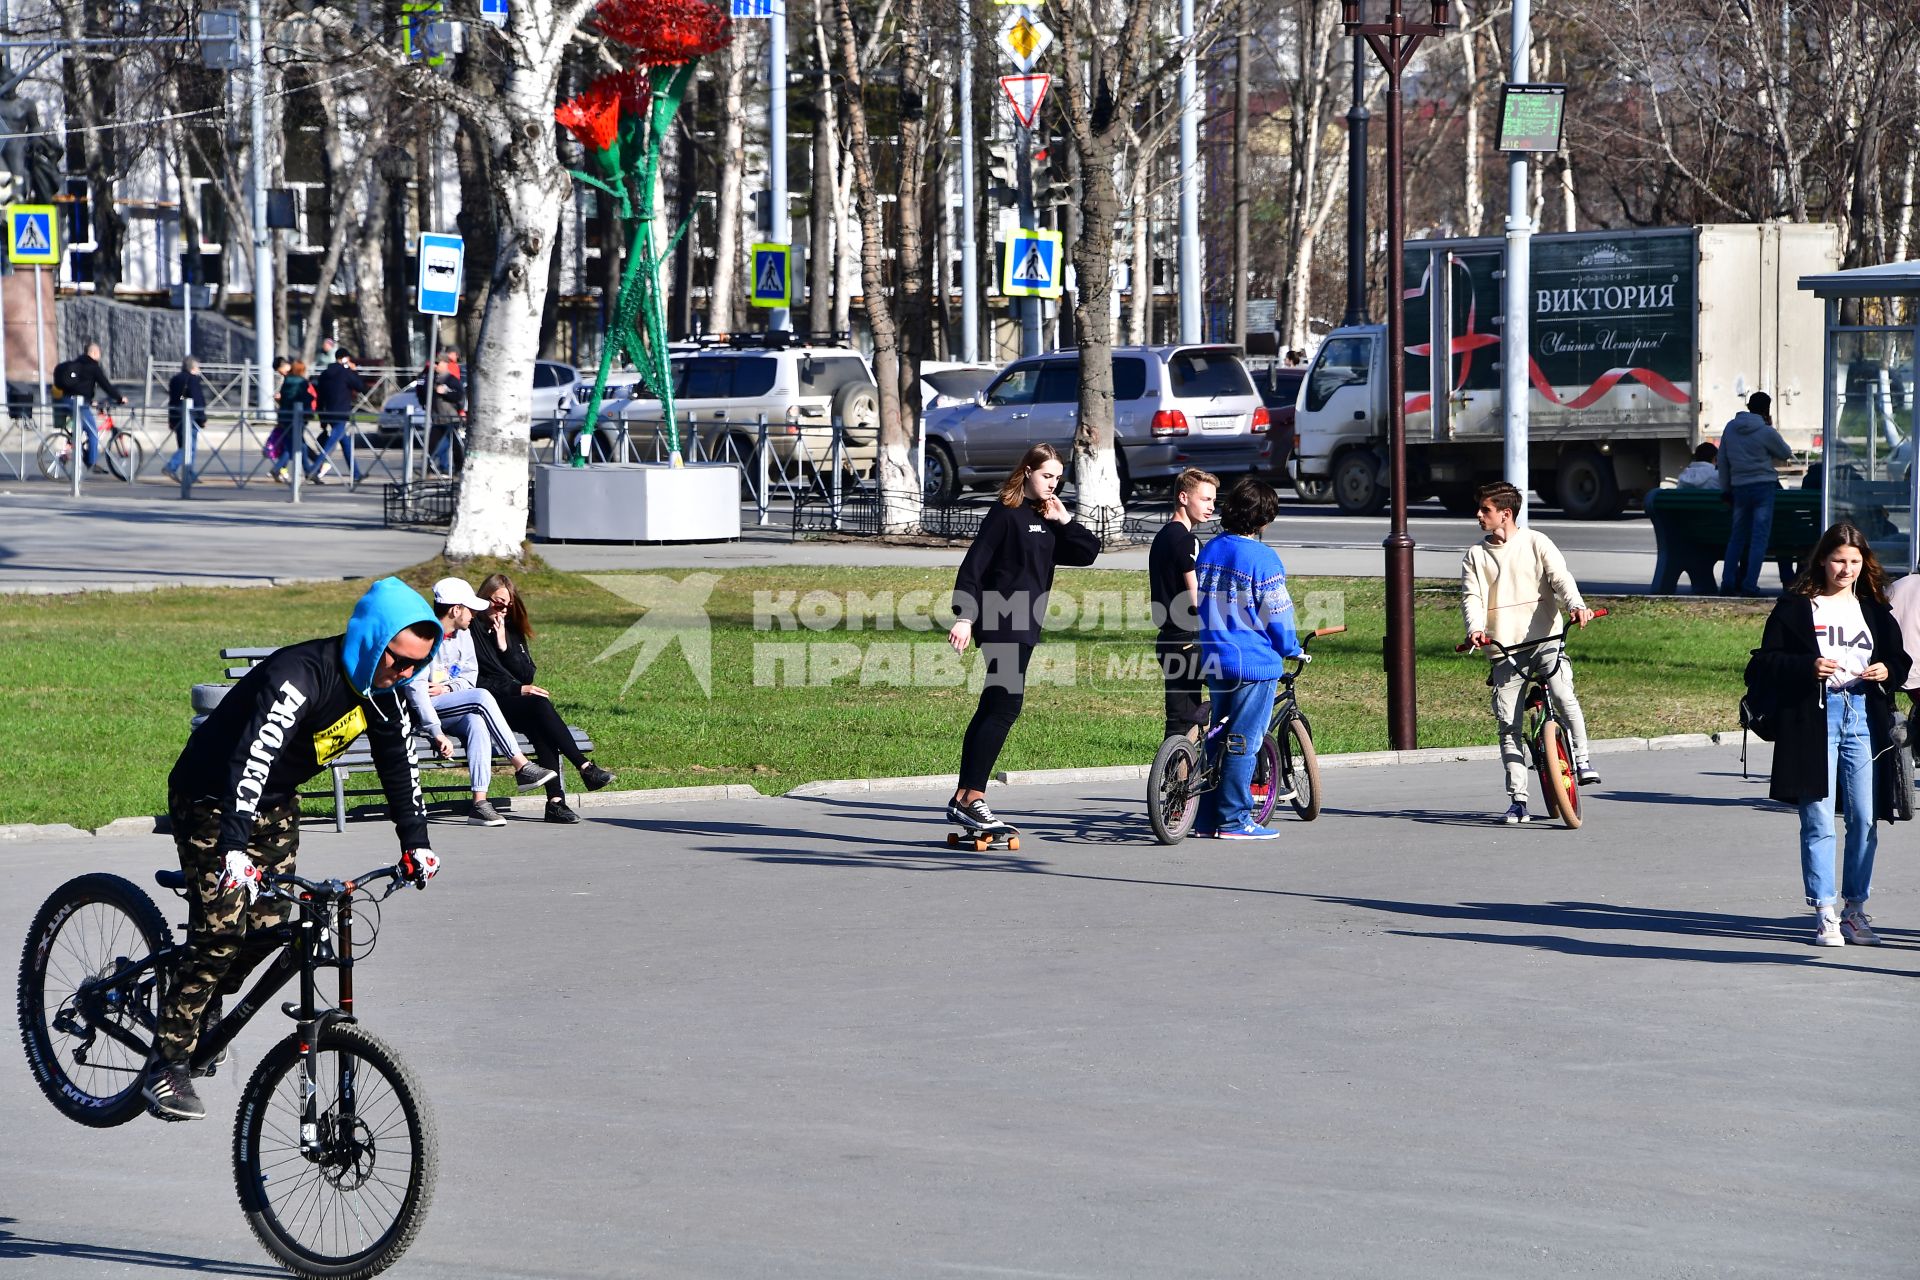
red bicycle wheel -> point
(1558, 780)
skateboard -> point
(981, 841)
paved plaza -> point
(802, 1038)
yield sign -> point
(1024, 38)
(1026, 94)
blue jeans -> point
(1246, 707)
(1747, 543)
(334, 427)
(89, 428)
(1850, 782)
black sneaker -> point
(531, 774)
(974, 815)
(557, 811)
(169, 1090)
(594, 776)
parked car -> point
(943, 385)
(720, 394)
(1174, 407)
(553, 388)
(1279, 387)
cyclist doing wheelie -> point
(1513, 584)
(1246, 635)
(236, 817)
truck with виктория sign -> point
(1643, 344)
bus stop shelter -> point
(1869, 414)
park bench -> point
(1691, 527)
(358, 757)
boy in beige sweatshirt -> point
(1513, 584)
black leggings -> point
(1000, 703)
(534, 716)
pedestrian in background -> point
(1704, 471)
(1170, 579)
(1832, 656)
(1000, 595)
(334, 392)
(185, 388)
(1748, 447)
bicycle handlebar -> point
(1506, 649)
(293, 887)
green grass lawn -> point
(96, 704)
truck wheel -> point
(1313, 490)
(1356, 484)
(1586, 486)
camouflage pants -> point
(224, 934)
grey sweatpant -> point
(475, 718)
(1506, 679)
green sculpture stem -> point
(642, 290)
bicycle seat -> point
(170, 879)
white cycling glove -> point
(419, 866)
(240, 872)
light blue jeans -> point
(1247, 707)
(475, 718)
(1850, 783)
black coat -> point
(1787, 652)
(502, 671)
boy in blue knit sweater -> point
(1246, 633)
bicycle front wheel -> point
(124, 456)
(56, 455)
(1300, 770)
(89, 997)
(348, 1201)
(1557, 778)
(1171, 793)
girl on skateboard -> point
(1000, 597)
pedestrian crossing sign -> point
(33, 235)
(772, 275)
(1030, 264)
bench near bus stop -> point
(1691, 528)
(358, 757)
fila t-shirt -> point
(1840, 629)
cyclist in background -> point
(236, 818)
(1513, 584)
(79, 380)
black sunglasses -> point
(402, 663)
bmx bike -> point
(1286, 767)
(1545, 735)
(334, 1149)
(118, 446)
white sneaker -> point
(1827, 929)
(1856, 926)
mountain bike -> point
(1545, 735)
(334, 1149)
(1286, 767)
(117, 445)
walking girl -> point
(1832, 654)
(1000, 596)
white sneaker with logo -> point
(1827, 929)
(1856, 926)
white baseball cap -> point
(456, 591)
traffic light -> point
(1048, 190)
(219, 34)
(1002, 185)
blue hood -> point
(389, 607)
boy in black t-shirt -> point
(1170, 571)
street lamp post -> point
(1393, 42)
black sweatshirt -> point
(502, 672)
(286, 719)
(1008, 571)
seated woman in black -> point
(507, 672)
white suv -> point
(721, 392)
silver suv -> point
(720, 393)
(1174, 407)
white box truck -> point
(1643, 344)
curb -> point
(940, 781)
(164, 584)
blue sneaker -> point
(1247, 831)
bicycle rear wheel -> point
(1264, 786)
(1171, 797)
(124, 456)
(1557, 778)
(1300, 769)
(55, 455)
(89, 997)
(350, 1203)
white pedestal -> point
(637, 502)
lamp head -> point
(1441, 18)
(1350, 13)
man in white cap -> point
(451, 696)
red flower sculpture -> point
(594, 116)
(664, 33)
